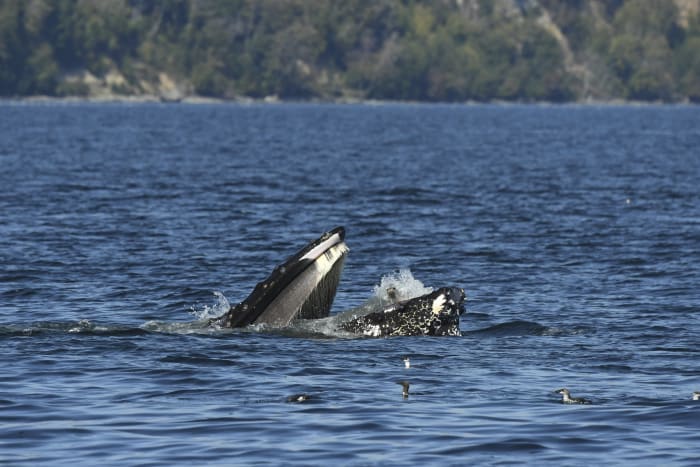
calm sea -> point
(575, 232)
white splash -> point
(220, 306)
(82, 326)
(400, 284)
(403, 285)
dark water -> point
(574, 230)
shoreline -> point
(273, 100)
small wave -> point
(81, 327)
(187, 327)
(615, 368)
(198, 360)
(19, 293)
(529, 328)
(507, 445)
(324, 328)
(514, 328)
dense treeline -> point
(434, 50)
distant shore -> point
(598, 52)
(273, 100)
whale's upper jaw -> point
(303, 287)
(433, 314)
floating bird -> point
(405, 385)
(567, 399)
(299, 398)
(696, 396)
(407, 362)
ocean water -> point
(574, 230)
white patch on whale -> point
(439, 303)
(373, 331)
(322, 247)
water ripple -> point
(572, 229)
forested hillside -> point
(432, 50)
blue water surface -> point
(574, 230)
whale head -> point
(302, 287)
(433, 314)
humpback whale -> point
(304, 286)
(433, 314)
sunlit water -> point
(575, 232)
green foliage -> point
(687, 62)
(433, 50)
(641, 53)
(208, 80)
(13, 49)
(43, 70)
(70, 88)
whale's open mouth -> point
(303, 287)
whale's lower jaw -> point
(433, 314)
(310, 295)
(303, 287)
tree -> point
(640, 53)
